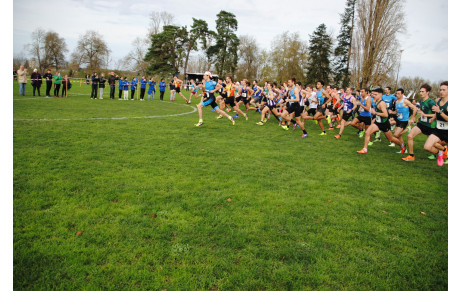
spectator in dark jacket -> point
(94, 85)
(36, 80)
(112, 81)
(101, 86)
(49, 82)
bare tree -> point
(91, 50)
(36, 47)
(134, 61)
(375, 53)
(248, 55)
(55, 47)
(158, 20)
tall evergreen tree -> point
(319, 53)
(343, 50)
(166, 52)
(224, 53)
(198, 34)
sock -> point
(304, 131)
(411, 155)
(365, 150)
(201, 120)
(230, 118)
(324, 131)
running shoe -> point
(258, 110)
(323, 133)
(229, 109)
(304, 135)
(199, 124)
(338, 136)
(370, 143)
(338, 126)
(440, 158)
(361, 134)
(316, 121)
(392, 145)
(328, 118)
(331, 128)
(236, 116)
(445, 162)
(260, 123)
(432, 157)
(233, 121)
(189, 102)
(363, 152)
(246, 116)
(445, 154)
(219, 117)
(378, 139)
(284, 127)
(403, 148)
(359, 131)
(409, 158)
(294, 126)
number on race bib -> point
(244, 95)
(424, 119)
(378, 119)
(441, 125)
(400, 115)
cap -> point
(207, 73)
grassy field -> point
(123, 195)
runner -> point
(229, 99)
(245, 95)
(423, 126)
(364, 108)
(437, 141)
(178, 83)
(381, 121)
(323, 98)
(296, 106)
(349, 105)
(270, 106)
(194, 90)
(403, 120)
(312, 103)
(209, 87)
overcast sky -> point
(120, 22)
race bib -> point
(441, 125)
(206, 95)
(424, 118)
(388, 105)
(378, 119)
(400, 116)
(244, 95)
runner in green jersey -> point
(437, 141)
(423, 125)
(381, 122)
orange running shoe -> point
(409, 158)
(337, 136)
(363, 151)
(445, 154)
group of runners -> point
(370, 111)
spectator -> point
(120, 87)
(65, 86)
(112, 80)
(101, 86)
(49, 82)
(57, 83)
(162, 86)
(87, 79)
(94, 84)
(125, 88)
(36, 81)
(151, 91)
(22, 79)
(133, 87)
(143, 87)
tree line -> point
(365, 52)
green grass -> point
(151, 199)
